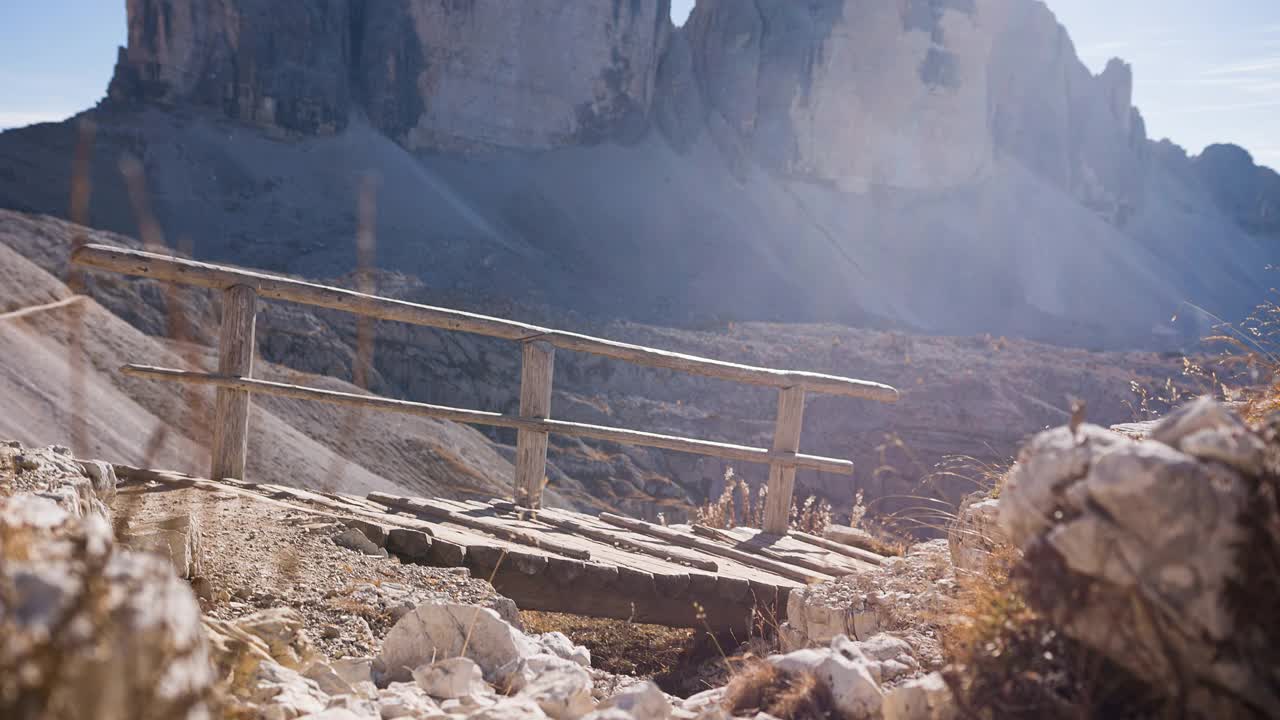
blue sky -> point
(1205, 72)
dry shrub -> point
(738, 506)
(1009, 661)
(812, 516)
(758, 686)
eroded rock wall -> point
(279, 65)
(434, 74)
(537, 74)
(919, 95)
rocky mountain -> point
(941, 166)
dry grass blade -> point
(760, 687)
(81, 187)
(362, 363)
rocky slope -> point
(141, 423)
(974, 396)
(946, 166)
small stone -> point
(642, 700)
(451, 679)
(922, 698)
(353, 539)
(405, 700)
(203, 588)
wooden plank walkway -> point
(565, 561)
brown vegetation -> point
(618, 646)
(759, 686)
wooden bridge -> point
(678, 566)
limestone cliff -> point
(434, 74)
(921, 95)
(534, 74)
(278, 65)
(944, 166)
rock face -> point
(1150, 533)
(440, 74)
(1243, 190)
(955, 84)
(778, 74)
(434, 74)
(257, 61)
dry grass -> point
(1009, 661)
(739, 506)
(618, 646)
(759, 686)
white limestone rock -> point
(176, 538)
(1153, 528)
(437, 630)
(922, 698)
(642, 700)
(451, 679)
(845, 669)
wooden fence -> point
(234, 382)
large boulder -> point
(1134, 549)
(92, 630)
(435, 631)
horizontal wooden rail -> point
(481, 417)
(217, 277)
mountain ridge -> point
(941, 166)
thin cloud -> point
(1251, 67)
(1191, 109)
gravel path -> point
(259, 554)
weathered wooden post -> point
(235, 357)
(782, 478)
(536, 371)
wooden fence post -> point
(235, 357)
(536, 371)
(782, 479)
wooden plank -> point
(231, 407)
(839, 548)
(690, 541)
(777, 555)
(494, 527)
(727, 451)
(536, 372)
(666, 553)
(782, 478)
(218, 277)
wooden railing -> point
(234, 382)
